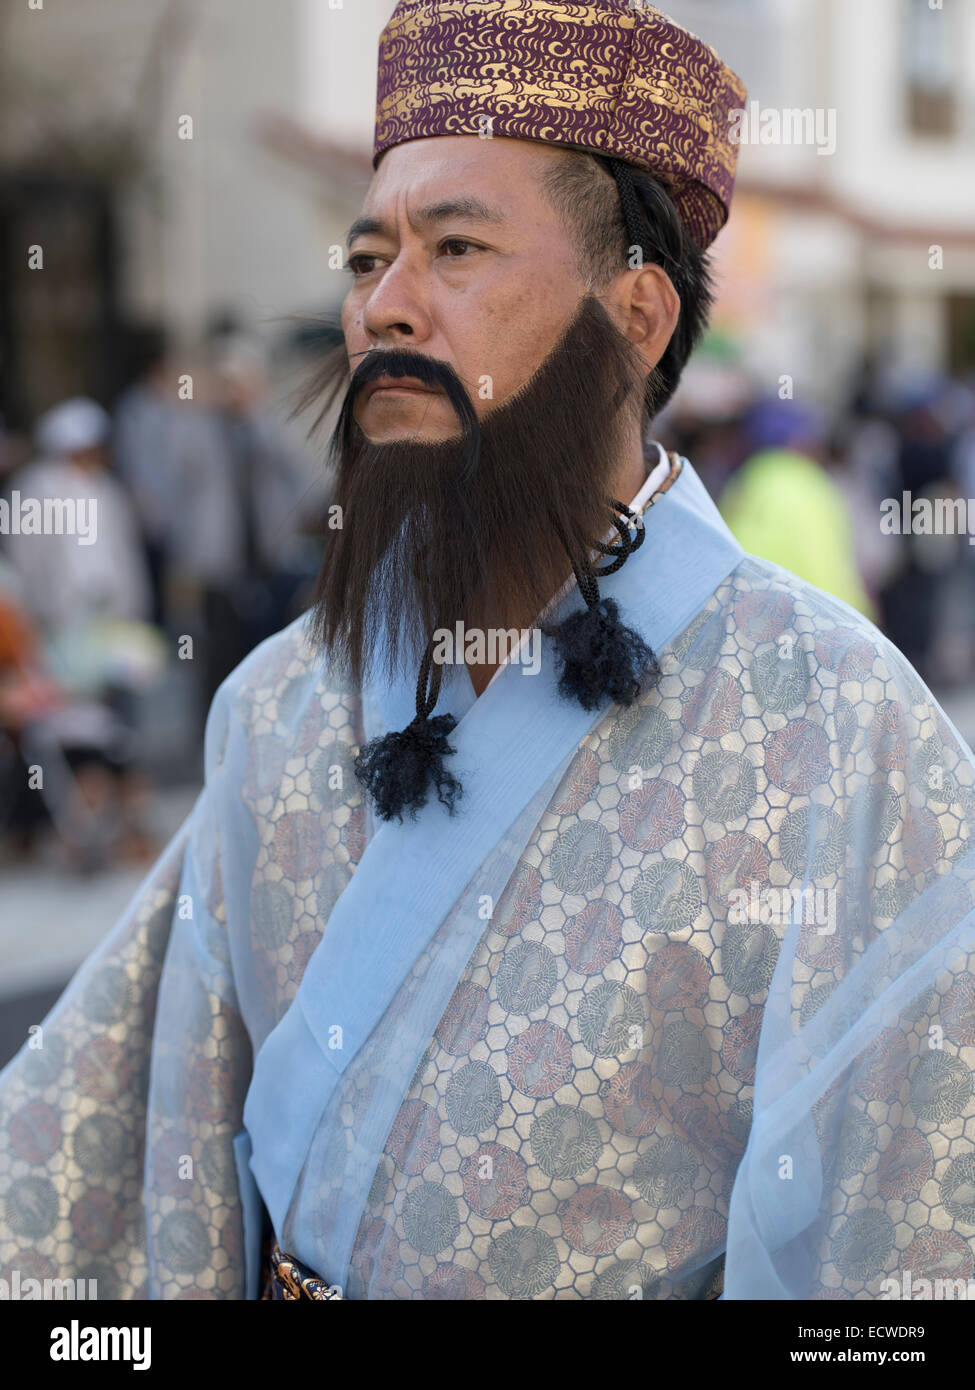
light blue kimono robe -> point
(682, 999)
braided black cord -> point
(632, 212)
(434, 674)
(630, 543)
(625, 542)
(634, 219)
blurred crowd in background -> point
(812, 491)
(210, 526)
(202, 516)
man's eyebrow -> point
(470, 208)
(365, 226)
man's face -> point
(457, 256)
(497, 461)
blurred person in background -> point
(84, 588)
(64, 758)
(152, 430)
(241, 537)
(865, 445)
(782, 503)
(74, 580)
(963, 473)
(705, 420)
(926, 602)
(963, 453)
(26, 694)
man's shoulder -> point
(806, 654)
(769, 601)
(770, 639)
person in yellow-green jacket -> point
(783, 505)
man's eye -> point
(456, 246)
(361, 264)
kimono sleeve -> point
(859, 1175)
(136, 1074)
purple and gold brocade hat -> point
(616, 78)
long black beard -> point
(480, 528)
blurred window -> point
(931, 49)
(758, 39)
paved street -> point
(50, 921)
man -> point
(466, 971)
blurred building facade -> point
(868, 248)
(140, 216)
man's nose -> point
(396, 309)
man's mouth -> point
(400, 385)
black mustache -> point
(430, 371)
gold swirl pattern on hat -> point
(618, 80)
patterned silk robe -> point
(682, 998)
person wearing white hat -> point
(99, 570)
(76, 426)
(73, 542)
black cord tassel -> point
(398, 768)
(600, 656)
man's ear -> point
(646, 307)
